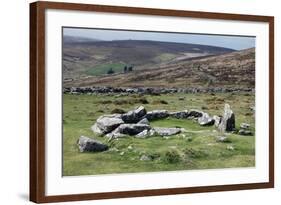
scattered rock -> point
(244, 126)
(162, 131)
(179, 114)
(181, 98)
(245, 132)
(87, 144)
(113, 149)
(144, 121)
(107, 123)
(157, 114)
(145, 158)
(230, 147)
(122, 153)
(114, 135)
(206, 120)
(223, 139)
(134, 116)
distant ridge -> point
(77, 39)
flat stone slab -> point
(163, 131)
(107, 123)
(131, 129)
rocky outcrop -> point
(86, 144)
(134, 116)
(206, 120)
(107, 123)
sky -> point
(233, 42)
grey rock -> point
(107, 123)
(167, 131)
(144, 121)
(217, 120)
(245, 132)
(179, 115)
(96, 129)
(131, 129)
(87, 144)
(146, 133)
(157, 114)
(195, 113)
(223, 139)
(134, 116)
(230, 147)
(113, 135)
(145, 158)
(143, 134)
(228, 120)
(206, 120)
(244, 126)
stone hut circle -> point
(136, 123)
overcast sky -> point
(234, 42)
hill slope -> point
(235, 69)
(83, 57)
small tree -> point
(125, 69)
(130, 68)
(110, 71)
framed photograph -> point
(130, 102)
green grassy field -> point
(195, 149)
(103, 68)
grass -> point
(195, 149)
(103, 68)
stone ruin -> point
(136, 123)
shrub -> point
(155, 102)
(204, 108)
(106, 102)
(195, 153)
(171, 157)
(110, 71)
(143, 101)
